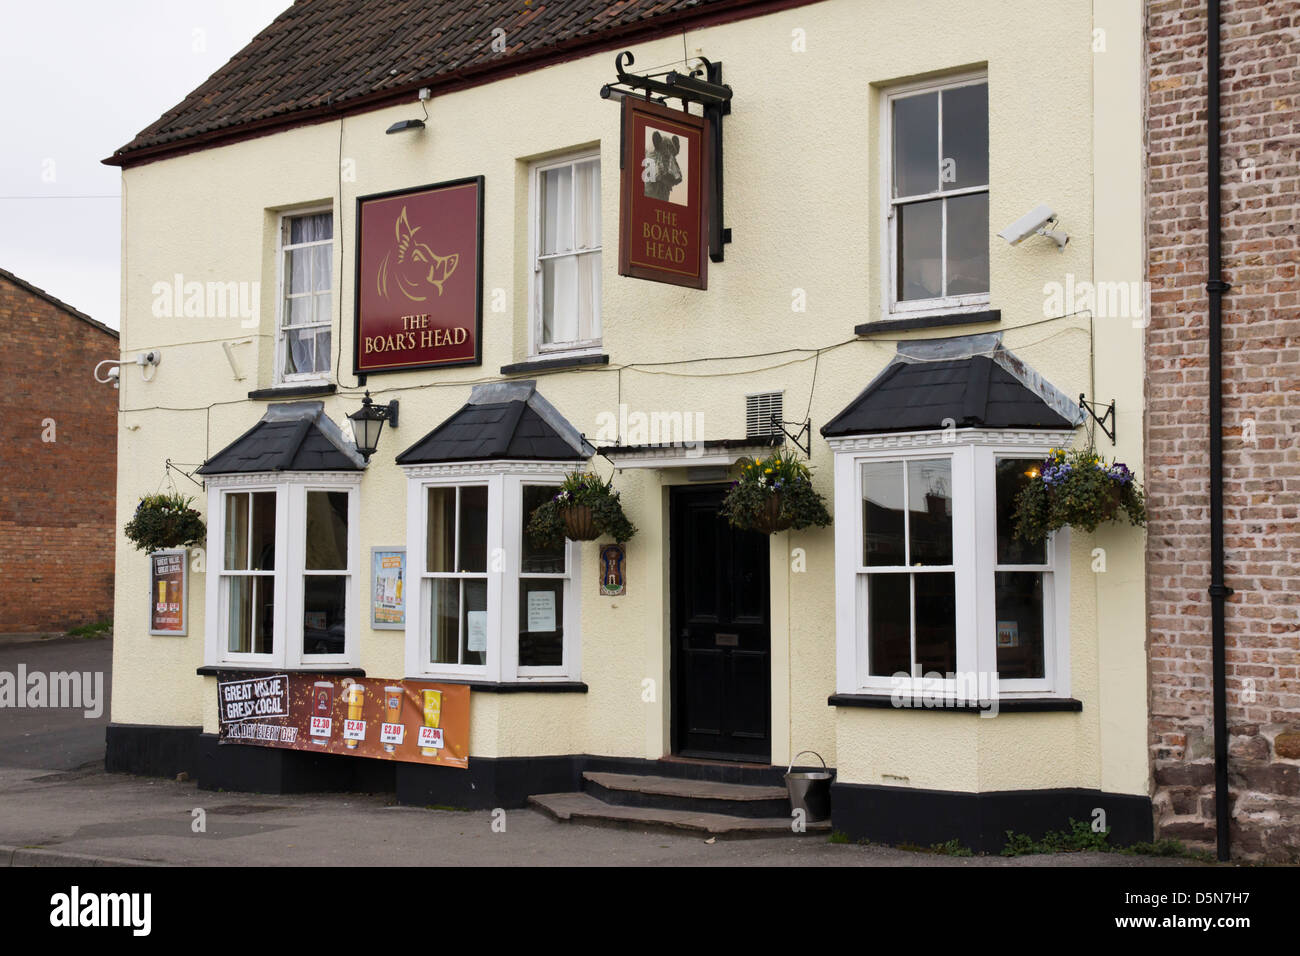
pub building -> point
(403, 281)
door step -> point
(677, 805)
(584, 808)
(677, 793)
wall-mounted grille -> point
(759, 410)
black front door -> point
(721, 680)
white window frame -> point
(953, 304)
(536, 348)
(299, 378)
(505, 481)
(290, 568)
(973, 453)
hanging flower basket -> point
(584, 509)
(579, 523)
(774, 494)
(1077, 489)
(165, 521)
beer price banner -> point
(419, 287)
(167, 589)
(663, 229)
(418, 721)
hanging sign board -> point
(168, 577)
(415, 721)
(419, 281)
(663, 226)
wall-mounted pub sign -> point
(663, 228)
(168, 577)
(419, 279)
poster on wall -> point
(419, 278)
(388, 588)
(415, 721)
(663, 226)
(168, 580)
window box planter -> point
(165, 521)
(774, 494)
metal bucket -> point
(810, 791)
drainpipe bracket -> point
(1217, 285)
(1221, 590)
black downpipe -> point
(1219, 592)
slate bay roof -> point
(293, 436)
(323, 58)
(974, 391)
(501, 421)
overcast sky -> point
(78, 79)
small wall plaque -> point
(613, 570)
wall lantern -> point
(368, 422)
(402, 126)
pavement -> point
(59, 807)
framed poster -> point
(388, 588)
(419, 278)
(168, 590)
(663, 226)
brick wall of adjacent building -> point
(1260, 102)
(57, 498)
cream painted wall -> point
(803, 201)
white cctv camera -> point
(1035, 223)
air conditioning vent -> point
(759, 410)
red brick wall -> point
(1260, 103)
(57, 499)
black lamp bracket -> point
(702, 85)
(181, 471)
(802, 438)
(1091, 408)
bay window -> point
(937, 585)
(494, 606)
(282, 582)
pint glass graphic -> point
(355, 695)
(432, 714)
(322, 703)
(392, 710)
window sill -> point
(514, 687)
(563, 361)
(1005, 705)
(939, 321)
(213, 670)
(303, 390)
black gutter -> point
(1216, 287)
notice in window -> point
(476, 627)
(541, 611)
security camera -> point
(1035, 223)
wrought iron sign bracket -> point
(702, 85)
(176, 468)
(1092, 407)
(802, 438)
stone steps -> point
(635, 801)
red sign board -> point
(663, 228)
(419, 282)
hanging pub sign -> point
(167, 592)
(419, 280)
(663, 225)
(409, 720)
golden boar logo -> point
(412, 266)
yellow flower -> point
(767, 471)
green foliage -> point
(1079, 838)
(546, 525)
(98, 629)
(1079, 490)
(780, 474)
(953, 847)
(165, 521)
(839, 836)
